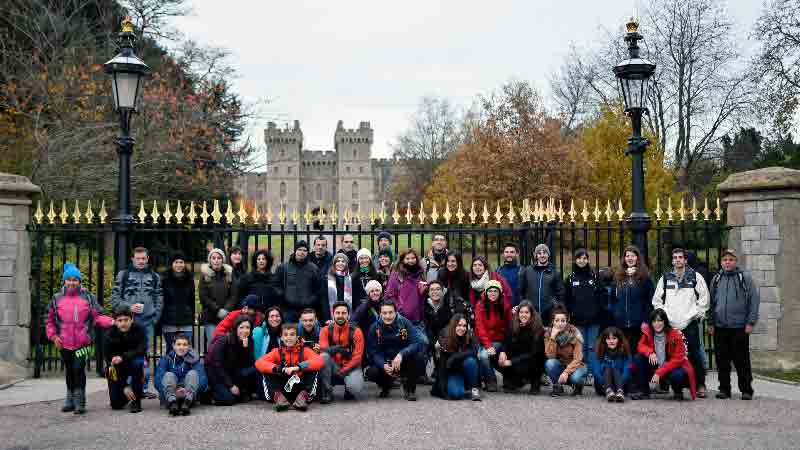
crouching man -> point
(342, 346)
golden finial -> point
(142, 213)
(334, 214)
(51, 215)
(179, 213)
(409, 214)
(669, 209)
(620, 211)
(282, 214)
(256, 216)
(396, 215)
(127, 25)
(229, 215)
(632, 26)
(268, 214)
(694, 208)
(372, 216)
(658, 210)
(560, 211)
(706, 211)
(596, 213)
(192, 213)
(308, 217)
(572, 213)
(155, 213)
(321, 215)
(216, 214)
(460, 214)
(585, 212)
(525, 215)
(103, 214)
(39, 214)
(485, 212)
(512, 215)
(552, 214)
(64, 216)
(346, 216)
(536, 211)
(498, 214)
(167, 213)
(609, 211)
(682, 210)
(421, 216)
(434, 214)
(76, 213)
(447, 215)
(472, 214)
(242, 213)
(718, 211)
(382, 214)
(295, 216)
(89, 213)
(204, 215)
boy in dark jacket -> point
(541, 284)
(180, 376)
(125, 347)
(290, 370)
(395, 347)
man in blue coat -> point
(510, 270)
(395, 348)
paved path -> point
(508, 421)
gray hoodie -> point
(140, 286)
(734, 299)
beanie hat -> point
(373, 284)
(340, 256)
(180, 256)
(363, 252)
(251, 301)
(301, 244)
(385, 235)
(70, 271)
(542, 247)
(581, 252)
(494, 284)
(216, 250)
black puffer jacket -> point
(217, 289)
(543, 287)
(298, 285)
(130, 345)
(263, 285)
(179, 299)
(584, 297)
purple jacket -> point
(406, 294)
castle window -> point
(283, 190)
(347, 169)
(355, 154)
(361, 169)
(283, 153)
(319, 192)
(289, 170)
(355, 190)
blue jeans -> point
(554, 369)
(694, 352)
(149, 332)
(590, 333)
(209, 332)
(485, 361)
(461, 379)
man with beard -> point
(437, 257)
(342, 345)
(350, 250)
(510, 270)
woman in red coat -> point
(661, 359)
(492, 319)
(480, 275)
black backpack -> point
(350, 344)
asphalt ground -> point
(500, 421)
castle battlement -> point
(273, 134)
(318, 155)
(363, 133)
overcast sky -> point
(322, 61)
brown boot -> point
(301, 402)
(281, 404)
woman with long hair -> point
(407, 286)
(612, 365)
(453, 276)
(632, 294)
(522, 355)
(365, 272)
(340, 284)
(563, 346)
(457, 371)
(480, 275)
(492, 317)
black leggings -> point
(613, 379)
(74, 369)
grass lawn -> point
(793, 376)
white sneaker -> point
(475, 395)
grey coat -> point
(734, 299)
(140, 286)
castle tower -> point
(284, 152)
(353, 153)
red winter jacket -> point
(226, 325)
(676, 354)
(508, 295)
(268, 363)
(495, 327)
(341, 337)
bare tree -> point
(776, 68)
(435, 130)
(152, 17)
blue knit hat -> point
(71, 271)
(251, 301)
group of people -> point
(319, 320)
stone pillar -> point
(763, 208)
(15, 269)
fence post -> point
(101, 283)
(15, 268)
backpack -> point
(283, 358)
(690, 277)
(739, 275)
(350, 344)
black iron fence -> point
(85, 237)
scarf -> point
(568, 335)
(480, 284)
(333, 294)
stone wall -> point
(15, 267)
(763, 209)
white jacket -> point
(684, 300)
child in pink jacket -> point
(71, 318)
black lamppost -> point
(634, 76)
(127, 74)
